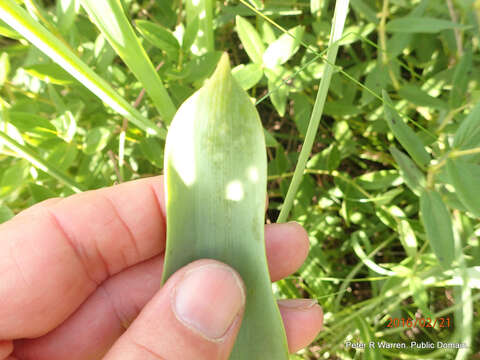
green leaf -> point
(50, 73)
(8, 32)
(376, 80)
(40, 193)
(96, 140)
(190, 35)
(247, 76)
(363, 8)
(200, 67)
(277, 88)
(251, 40)
(152, 149)
(461, 77)
(302, 109)
(413, 177)
(104, 54)
(420, 295)
(31, 124)
(465, 178)
(379, 180)
(4, 68)
(63, 154)
(438, 226)
(66, 125)
(67, 11)
(405, 232)
(417, 96)
(5, 213)
(341, 108)
(202, 186)
(270, 140)
(13, 177)
(328, 159)
(468, 134)
(282, 49)
(159, 36)
(410, 24)
(404, 134)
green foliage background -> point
(391, 193)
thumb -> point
(195, 315)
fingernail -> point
(298, 304)
(208, 300)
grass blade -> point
(251, 41)
(110, 18)
(438, 226)
(411, 174)
(465, 177)
(341, 10)
(404, 134)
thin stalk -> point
(38, 162)
(382, 37)
(456, 31)
(341, 9)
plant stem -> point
(382, 37)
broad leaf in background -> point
(247, 76)
(251, 41)
(460, 80)
(5, 213)
(438, 226)
(468, 134)
(282, 49)
(67, 11)
(40, 193)
(159, 36)
(412, 24)
(277, 87)
(465, 178)
(417, 96)
(412, 175)
(96, 140)
(50, 73)
(404, 134)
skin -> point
(80, 279)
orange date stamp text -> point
(423, 322)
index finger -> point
(54, 255)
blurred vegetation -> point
(391, 193)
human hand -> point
(80, 278)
